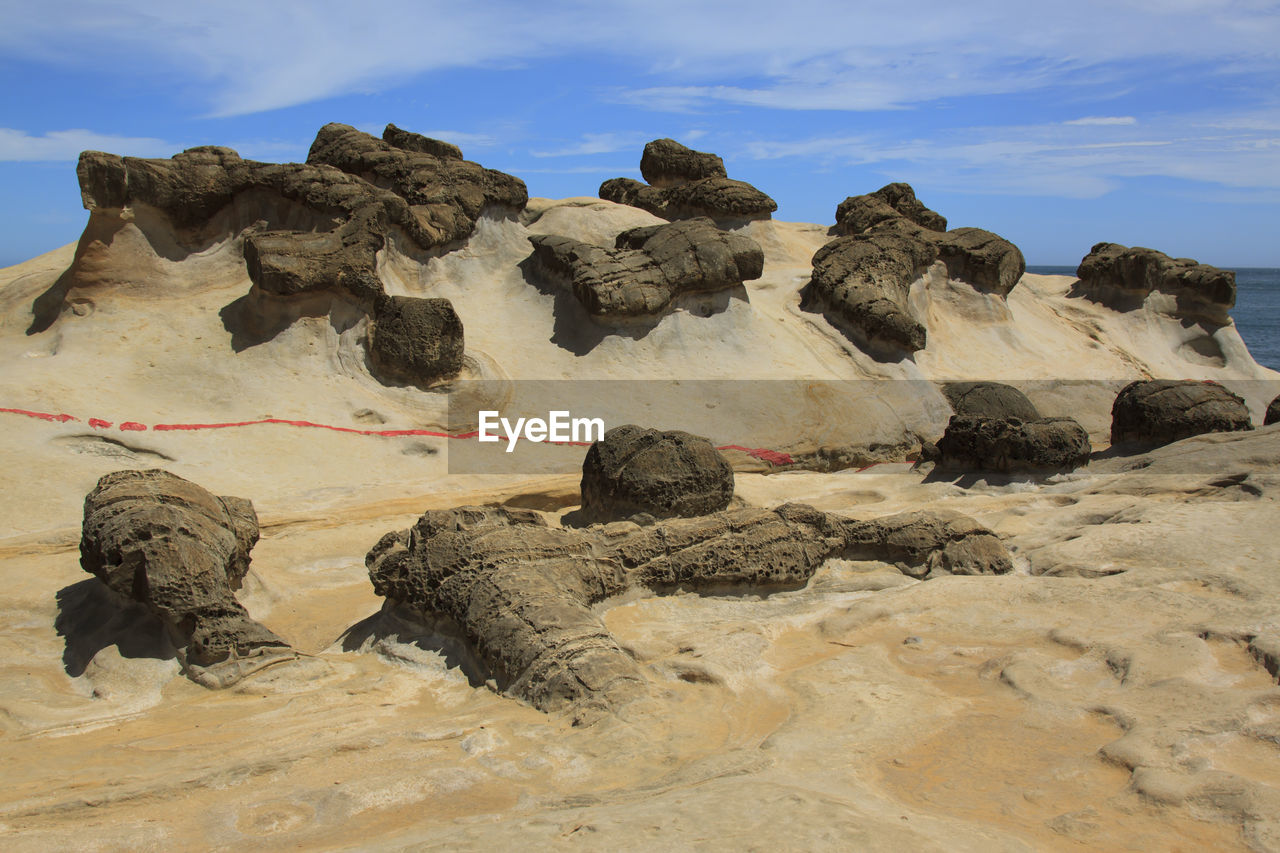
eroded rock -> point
(857, 214)
(684, 184)
(181, 552)
(1123, 277)
(635, 470)
(1010, 445)
(1161, 411)
(989, 400)
(416, 341)
(1273, 413)
(522, 591)
(409, 141)
(648, 267)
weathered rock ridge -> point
(521, 591)
(684, 183)
(1122, 278)
(648, 267)
(181, 552)
(861, 280)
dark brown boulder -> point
(1123, 278)
(989, 400)
(1273, 413)
(1161, 411)
(858, 213)
(415, 341)
(687, 184)
(181, 552)
(648, 267)
(984, 260)
(409, 141)
(647, 471)
(667, 163)
(1013, 446)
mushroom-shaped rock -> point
(634, 470)
(415, 340)
(861, 284)
(684, 183)
(648, 267)
(989, 400)
(1013, 446)
(984, 260)
(667, 163)
(522, 592)
(1124, 277)
(181, 552)
(1161, 411)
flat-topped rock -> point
(1123, 278)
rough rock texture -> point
(861, 280)
(857, 213)
(861, 284)
(409, 141)
(1123, 277)
(635, 470)
(181, 552)
(522, 592)
(667, 163)
(989, 400)
(1273, 413)
(415, 340)
(649, 266)
(686, 184)
(1160, 411)
(1011, 445)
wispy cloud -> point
(597, 143)
(1066, 159)
(805, 54)
(17, 145)
(1102, 121)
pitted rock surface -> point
(1273, 413)
(649, 266)
(989, 400)
(181, 552)
(1011, 445)
(1123, 277)
(684, 184)
(409, 141)
(1160, 411)
(861, 280)
(522, 591)
(415, 340)
(634, 470)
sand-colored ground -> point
(1107, 695)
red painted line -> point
(773, 457)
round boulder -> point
(989, 400)
(1013, 446)
(635, 470)
(1273, 413)
(415, 341)
(1161, 411)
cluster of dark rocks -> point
(889, 239)
(683, 183)
(330, 216)
(648, 266)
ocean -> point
(1257, 311)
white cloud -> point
(17, 145)
(1103, 121)
(598, 143)
(809, 54)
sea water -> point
(1257, 311)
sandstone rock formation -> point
(1012, 446)
(325, 220)
(861, 279)
(415, 340)
(1160, 411)
(989, 400)
(634, 470)
(180, 551)
(1123, 278)
(522, 591)
(684, 183)
(649, 267)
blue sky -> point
(1056, 125)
